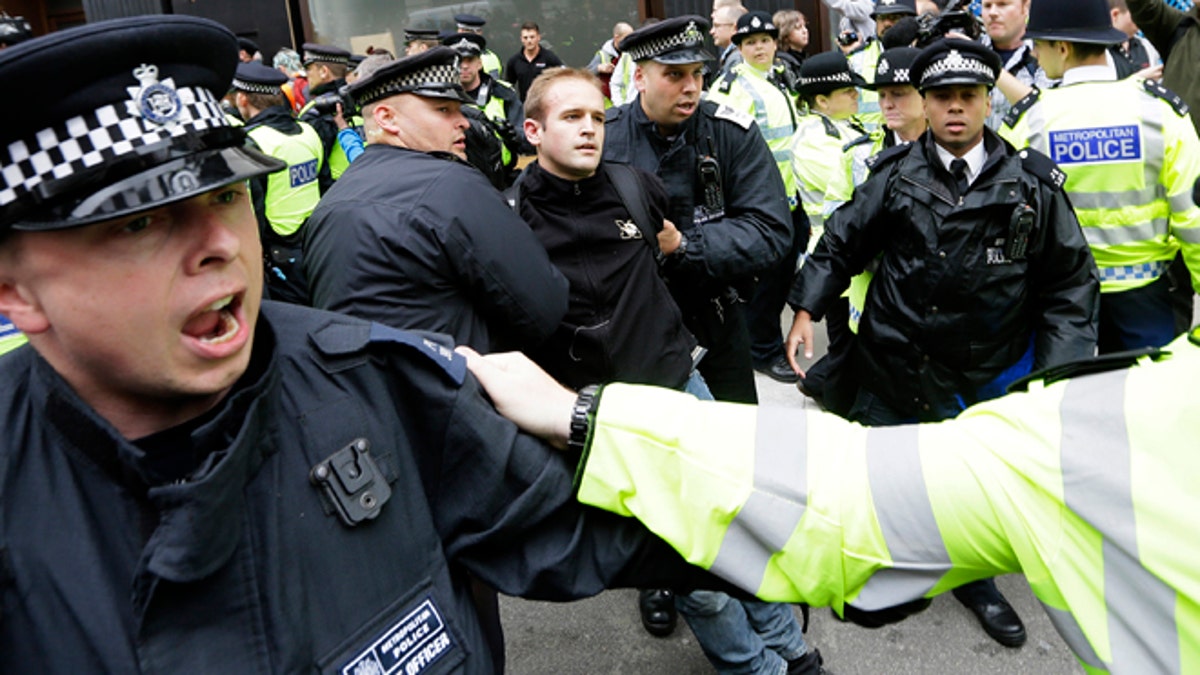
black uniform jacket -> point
(621, 323)
(948, 310)
(417, 240)
(753, 230)
(239, 567)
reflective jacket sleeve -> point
(1181, 169)
(756, 228)
(1066, 287)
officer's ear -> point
(639, 78)
(386, 117)
(17, 301)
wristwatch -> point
(581, 417)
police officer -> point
(471, 24)
(240, 487)
(326, 67)
(864, 59)
(1131, 156)
(727, 197)
(755, 86)
(283, 200)
(498, 100)
(1087, 486)
(417, 40)
(415, 237)
(984, 271)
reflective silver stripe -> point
(1066, 625)
(1117, 200)
(1190, 235)
(1140, 607)
(762, 116)
(1126, 234)
(1181, 202)
(905, 514)
(1153, 144)
(773, 510)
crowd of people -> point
(242, 287)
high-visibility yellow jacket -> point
(864, 61)
(292, 193)
(1088, 486)
(752, 91)
(816, 160)
(1131, 157)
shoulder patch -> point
(345, 338)
(865, 138)
(879, 160)
(739, 118)
(1043, 167)
(1019, 108)
(726, 82)
(831, 129)
(1156, 89)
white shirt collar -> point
(975, 158)
(1105, 73)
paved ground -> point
(604, 634)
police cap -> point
(902, 7)
(247, 45)
(752, 23)
(827, 72)
(318, 53)
(895, 67)
(671, 41)
(413, 34)
(466, 44)
(469, 21)
(255, 78)
(433, 73)
(14, 30)
(356, 60)
(128, 119)
(1080, 21)
(954, 61)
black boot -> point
(809, 664)
(998, 618)
(657, 607)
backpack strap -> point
(628, 185)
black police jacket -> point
(753, 230)
(621, 323)
(240, 567)
(948, 309)
(423, 241)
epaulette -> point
(339, 338)
(878, 160)
(1155, 88)
(724, 84)
(1043, 167)
(1020, 107)
(613, 114)
(831, 129)
(738, 117)
(1097, 364)
(865, 138)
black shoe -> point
(779, 370)
(809, 664)
(657, 607)
(998, 618)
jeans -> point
(742, 636)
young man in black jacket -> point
(604, 227)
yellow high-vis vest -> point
(292, 192)
(1087, 486)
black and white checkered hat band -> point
(837, 78)
(440, 75)
(957, 64)
(897, 76)
(316, 57)
(662, 45)
(255, 87)
(103, 135)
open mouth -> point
(216, 324)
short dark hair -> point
(263, 101)
(535, 104)
(531, 25)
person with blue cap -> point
(283, 200)
(472, 24)
(1131, 155)
(198, 480)
(983, 273)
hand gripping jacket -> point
(1087, 486)
(1131, 156)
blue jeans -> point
(740, 636)
(743, 637)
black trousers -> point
(720, 327)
